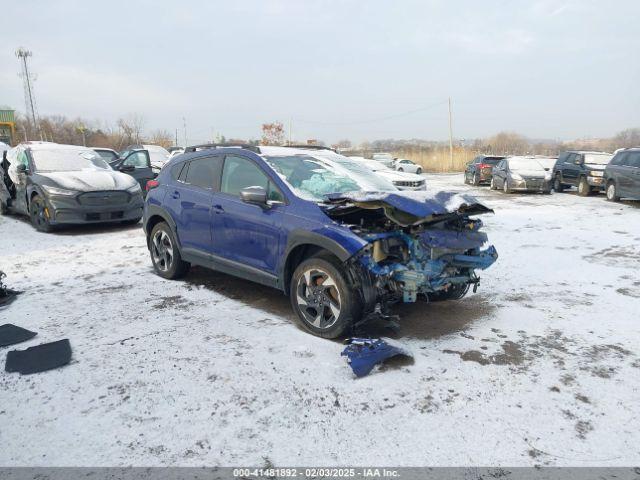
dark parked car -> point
(304, 221)
(581, 169)
(523, 174)
(157, 154)
(66, 184)
(137, 164)
(622, 175)
(480, 169)
(107, 154)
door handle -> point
(175, 194)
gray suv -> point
(622, 175)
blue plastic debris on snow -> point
(365, 353)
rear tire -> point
(165, 254)
(584, 189)
(400, 169)
(476, 179)
(39, 215)
(612, 192)
(327, 311)
(492, 185)
(505, 186)
(557, 184)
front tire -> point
(400, 169)
(419, 171)
(165, 255)
(322, 299)
(492, 185)
(612, 192)
(39, 215)
(505, 186)
(584, 190)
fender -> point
(342, 244)
(155, 210)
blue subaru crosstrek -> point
(343, 243)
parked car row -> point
(590, 172)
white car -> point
(401, 180)
(404, 165)
(384, 158)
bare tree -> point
(273, 133)
(162, 138)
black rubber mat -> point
(39, 358)
(10, 334)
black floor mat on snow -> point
(10, 334)
(39, 358)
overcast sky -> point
(338, 69)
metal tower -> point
(29, 97)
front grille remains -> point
(106, 198)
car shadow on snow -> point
(420, 320)
(265, 298)
(82, 229)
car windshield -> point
(314, 176)
(108, 155)
(530, 164)
(597, 158)
(67, 160)
(157, 154)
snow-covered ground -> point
(540, 366)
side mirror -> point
(127, 168)
(22, 168)
(254, 195)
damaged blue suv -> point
(343, 243)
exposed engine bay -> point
(424, 245)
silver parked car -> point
(523, 174)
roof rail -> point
(312, 147)
(207, 146)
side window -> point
(137, 160)
(619, 159)
(176, 170)
(22, 159)
(633, 159)
(239, 173)
(201, 172)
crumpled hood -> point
(412, 207)
(89, 180)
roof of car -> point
(35, 146)
(593, 152)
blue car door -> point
(190, 200)
(247, 233)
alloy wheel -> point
(611, 192)
(318, 298)
(162, 251)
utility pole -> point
(184, 126)
(27, 79)
(450, 138)
(176, 144)
(290, 122)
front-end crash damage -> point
(419, 244)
